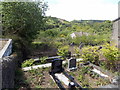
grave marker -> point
(56, 66)
(72, 64)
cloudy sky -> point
(83, 9)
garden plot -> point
(92, 76)
(102, 73)
(87, 78)
(38, 78)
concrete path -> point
(44, 65)
(36, 67)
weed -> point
(28, 63)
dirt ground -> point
(39, 78)
(88, 81)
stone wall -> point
(7, 49)
(7, 71)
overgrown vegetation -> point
(59, 30)
(32, 31)
(111, 53)
(63, 51)
(108, 52)
(90, 54)
(32, 62)
(88, 79)
(28, 63)
(21, 21)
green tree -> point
(21, 21)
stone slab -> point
(62, 78)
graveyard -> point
(70, 74)
(51, 52)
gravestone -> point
(72, 64)
(56, 66)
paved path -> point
(43, 65)
(36, 67)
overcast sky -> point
(83, 9)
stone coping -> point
(4, 48)
(2, 44)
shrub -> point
(77, 51)
(91, 39)
(57, 44)
(63, 51)
(28, 63)
(43, 59)
(90, 54)
(111, 54)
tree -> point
(21, 21)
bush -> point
(32, 62)
(57, 44)
(91, 39)
(90, 54)
(43, 60)
(77, 51)
(28, 63)
(111, 54)
(63, 51)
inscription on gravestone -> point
(72, 64)
(56, 66)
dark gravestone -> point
(72, 63)
(56, 66)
